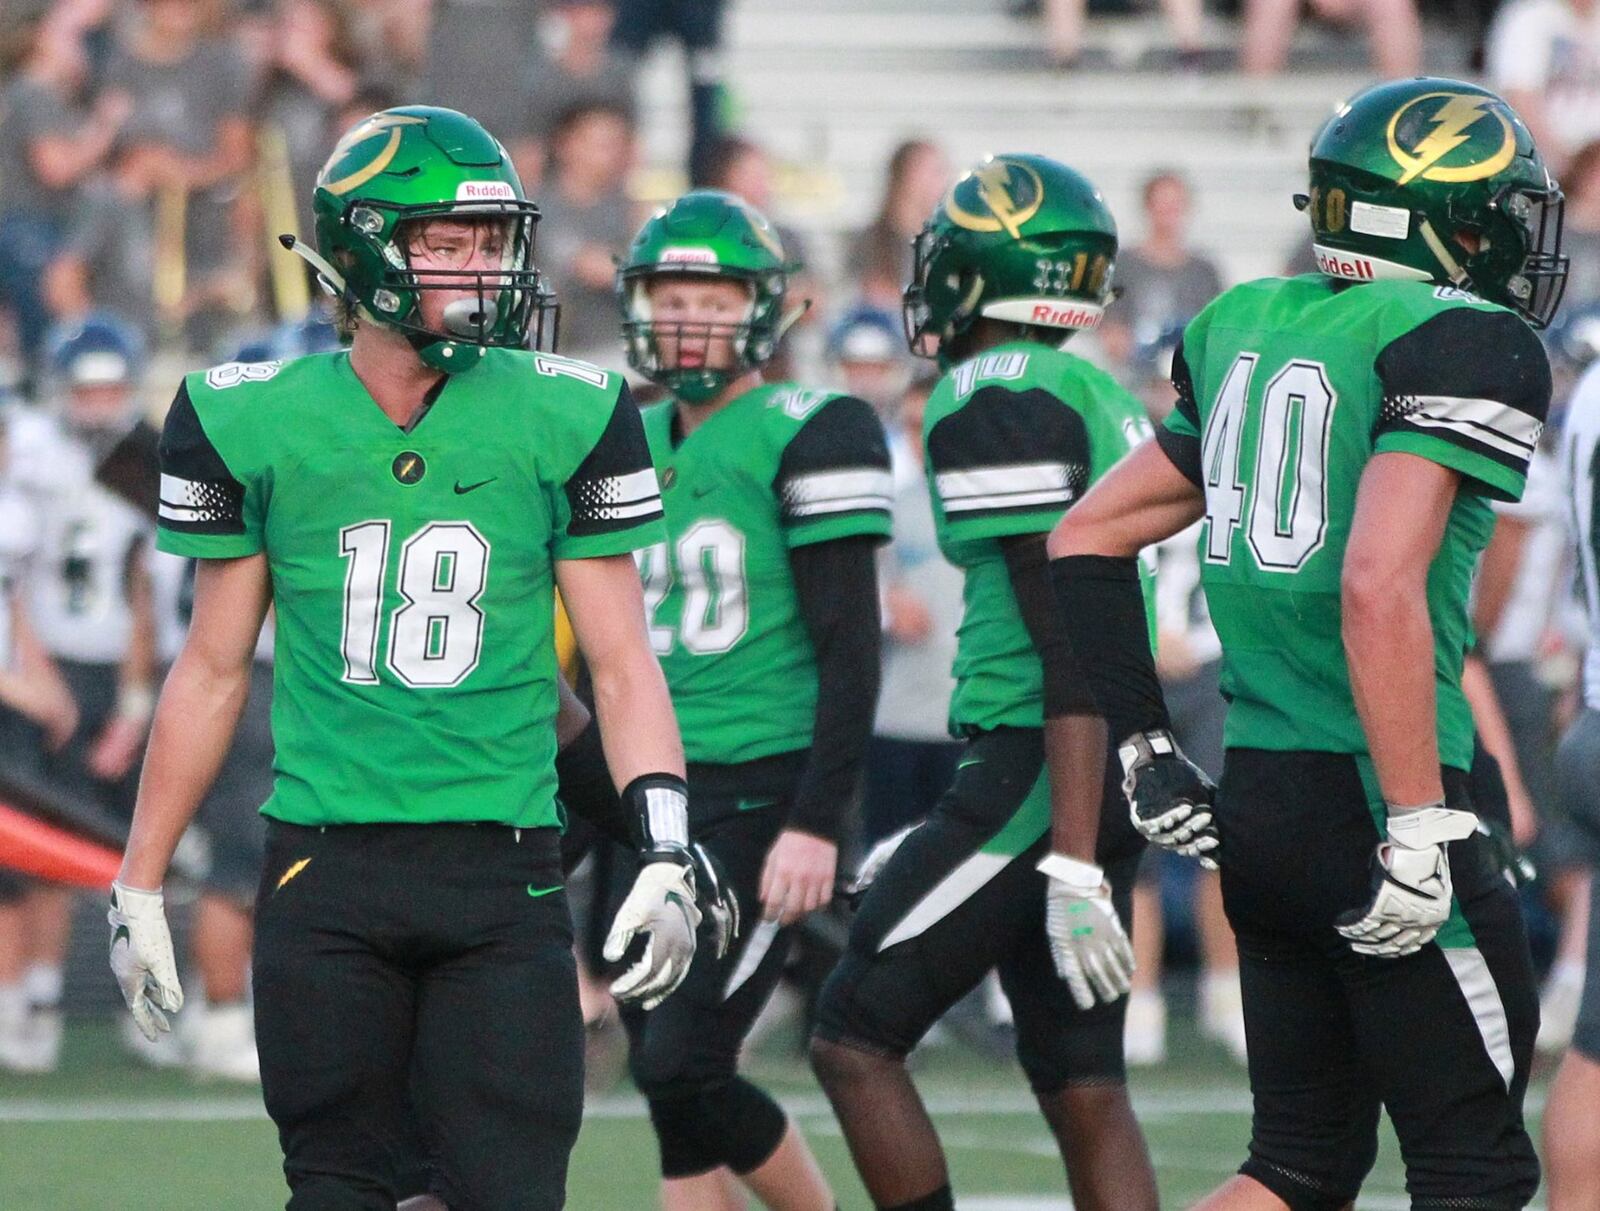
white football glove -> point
(142, 958)
(1410, 882)
(1090, 948)
(661, 906)
(1169, 796)
(877, 858)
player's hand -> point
(716, 900)
(1410, 883)
(1169, 797)
(798, 876)
(662, 907)
(116, 748)
(877, 858)
(1090, 948)
(142, 958)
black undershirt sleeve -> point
(1102, 608)
(586, 789)
(1066, 692)
(836, 583)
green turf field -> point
(105, 1134)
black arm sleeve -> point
(1102, 608)
(586, 790)
(1183, 448)
(1066, 692)
(837, 586)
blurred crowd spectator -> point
(1544, 55)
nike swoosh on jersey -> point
(460, 491)
(750, 805)
(536, 892)
(969, 761)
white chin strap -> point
(1359, 267)
(1046, 312)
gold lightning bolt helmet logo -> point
(1001, 195)
(373, 127)
(1451, 126)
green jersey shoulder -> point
(779, 468)
(412, 567)
(1287, 389)
(1013, 437)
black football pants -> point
(427, 966)
(1442, 1039)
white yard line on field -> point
(950, 1104)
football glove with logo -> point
(661, 906)
(1090, 948)
(142, 958)
(1169, 797)
(716, 900)
(1410, 882)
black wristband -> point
(659, 805)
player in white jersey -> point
(36, 712)
(88, 597)
(1572, 1128)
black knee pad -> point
(752, 1125)
(733, 1124)
(847, 1014)
(1303, 1191)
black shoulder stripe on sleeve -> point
(837, 464)
(1009, 451)
(1477, 379)
(199, 494)
(1182, 449)
(615, 487)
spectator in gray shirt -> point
(588, 223)
(181, 159)
(1161, 282)
(51, 140)
(578, 69)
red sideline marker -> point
(31, 847)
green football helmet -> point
(1437, 180)
(419, 162)
(1020, 238)
(704, 234)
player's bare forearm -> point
(37, 689)
(1075, 747)
(1497, 573)
(1401, 510)
(606, 606)
(198, 712)
(1138, 503)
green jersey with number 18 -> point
(1013, 437)
(1287, 388)
(412, 569)
(779, 467)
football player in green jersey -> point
(1016, 259)
(762, 605)
(1342, 433)
(408, 507)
